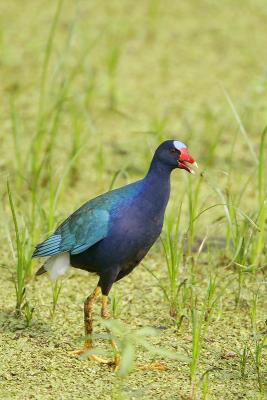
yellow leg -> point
(88, 325)
(88, 316)
(104, 310)
(105, 314)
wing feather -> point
(49, 247)
(80, 231)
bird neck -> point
(158, 179)
(159, 171)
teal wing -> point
(89, 224)
(80, 231)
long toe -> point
(116, 363)
(99, 360)
(81, 353)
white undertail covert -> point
(57, 265)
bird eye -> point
(172, 150)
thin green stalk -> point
(260, 344)
(173, 252)
(115, 303)
(116, 176)
(241, 126)
(55, 190)
(210, 297)
(253, 312)
(45, 65)
(37, 143)
(20, 285)
(197, 321)
(243, 361)
(112, 66)
(15, 135)
(56, 289)
(193, 197)
(28, 312)
(205, 385)
(262, 203)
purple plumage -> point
(111, 234)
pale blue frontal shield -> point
(179, 145)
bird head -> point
(175, 154)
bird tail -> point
(41, 270)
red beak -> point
(186, 159)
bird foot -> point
(154, 366)
(93, 357)
(105, 314)
(116, 363)
(99, 360)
